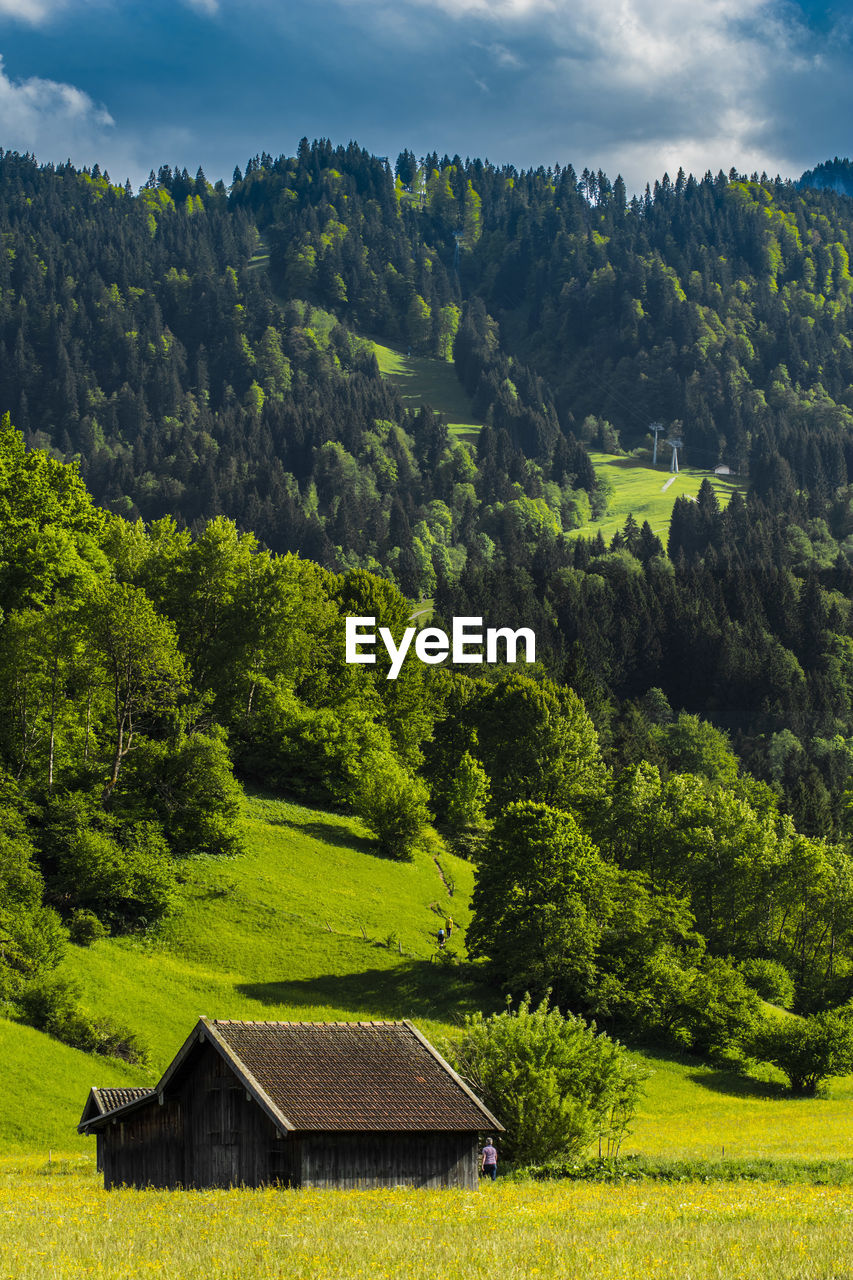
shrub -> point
(189, 787)
(127, 884)
(50, 1004)
(771, 980)
(32, 938)
(809, 1050)
(391, 803)
(554, 1082)
(84, 927)
(47, 1002)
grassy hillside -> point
(648, 493)
(311, 924)
(423, 380)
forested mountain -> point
(148, 336)
(835, 175)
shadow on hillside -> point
(415, 988)
(736, 1086)
(329, 833)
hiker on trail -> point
(448, 924)
(489, 1161)
(441, 938)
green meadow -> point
(648, 493)
(423, 380)
(310, 924)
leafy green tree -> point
(418, 326)
(468, 794)
(539, 895)
(722, 1013)
(52, 531)
(32, 939)
(552, 755)
(404, 705)
(553, 1082)
(273, 365)
(770, 980)
(144, 671)
(694, 746)
(189, 787)
(128, 882)
(647, 960)
(809, 1050)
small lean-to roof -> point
(102, 1101)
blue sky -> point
(636, 86)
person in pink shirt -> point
(489, 1161)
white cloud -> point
(503, 56)
(38, 12)
(53, 120)
(494, 10)
(640, 85)
(690, 81)
(34, 11)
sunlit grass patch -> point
(638, 489)
(423, 380)
(308, 924)
(691, 1110)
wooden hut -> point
(320, 1104)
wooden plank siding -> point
(228, 1141)
(146, 1148)
(364, 1160)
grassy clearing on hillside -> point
(309, 924)
(67, 1226)
(261, 256)
(423, 380)
(639, 489)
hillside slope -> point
(647, 493)
(310, 924)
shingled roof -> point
(341, 1075)
(101, 1102)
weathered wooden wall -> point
(228, 1140)
(145, 1149)
(389, 1159)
